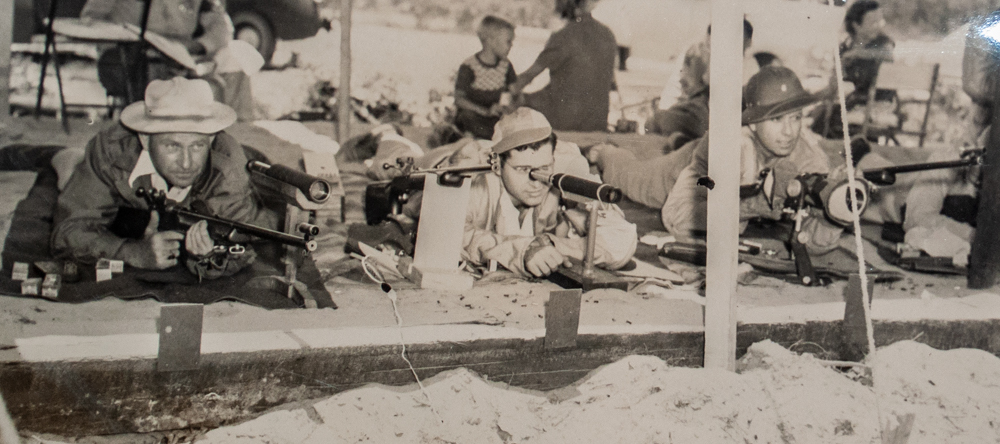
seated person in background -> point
(683, 113)
(173, 142)
(687, 119)
(484, 78)
(862, 53)
(520, 222)
(773, 137)
(205, 30)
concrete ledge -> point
(91, 385)
(90, 397)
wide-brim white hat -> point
(178, 105)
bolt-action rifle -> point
(387, 197)
(231, 234)
(834, 199)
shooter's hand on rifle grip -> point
(157, 250)
(197, 241)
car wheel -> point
(255, 30)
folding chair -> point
(907, 84)
(136, 71)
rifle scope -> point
(579, 186)
(315, 189)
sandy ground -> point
(776, 396)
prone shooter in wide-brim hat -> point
(773, 137)
(174, 141)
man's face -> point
(523, 190)
(180, 157)
(779, 135)
(499, 41)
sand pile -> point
(777, 396)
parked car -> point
(258, 22)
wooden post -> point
(726, 73)
(8, 433)
(6, 36)
(344, 91)
(984, 262)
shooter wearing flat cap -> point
(521, 223)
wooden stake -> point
(344, 91)
(855, 346)
(6, 36)
(8, 433)
(562, 318)
(726, 72)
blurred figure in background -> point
(683, 113)
(580, 58)
(691, 73)
(202, 26)
(613, 14)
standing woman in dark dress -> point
(862, 53)
(580, 58)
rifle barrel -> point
(928, 166)
(454, 170)
(261, 232)
(887, 175)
